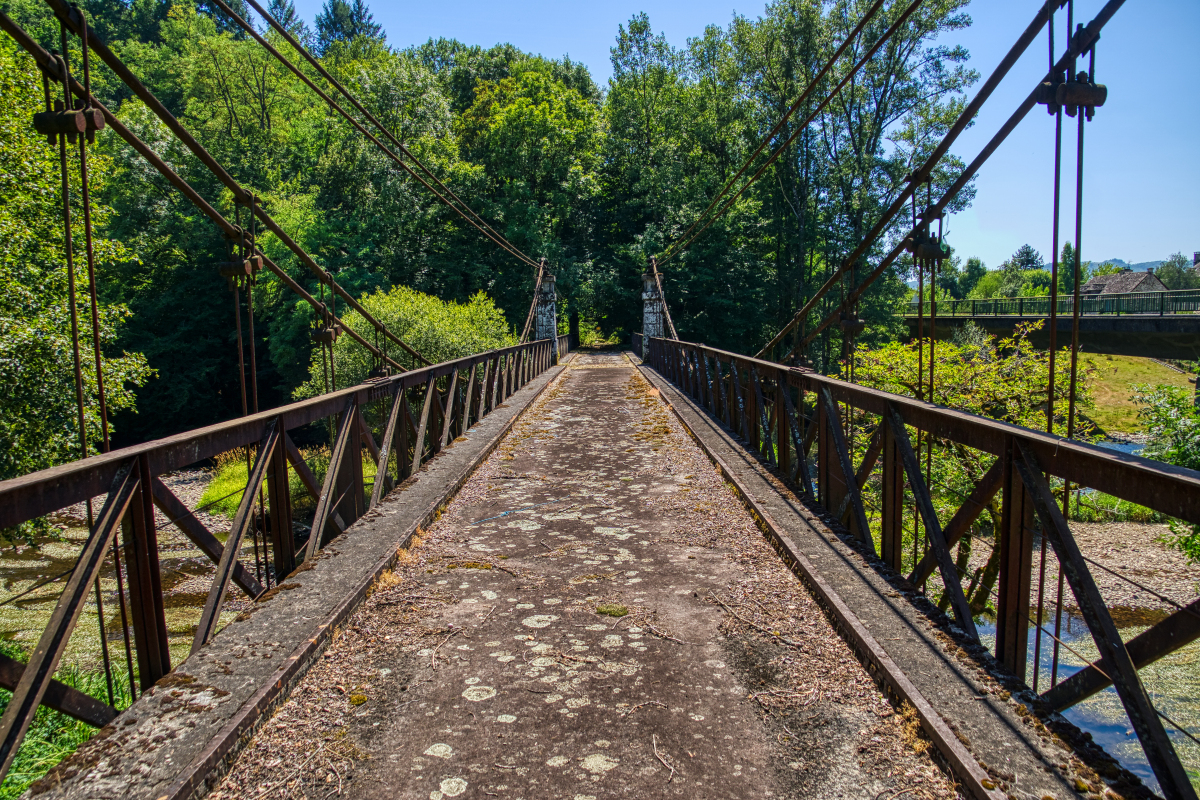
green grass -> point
(1113, 388)
(224, 493)
(54, 736)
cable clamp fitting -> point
(70, 123)
(327, 334)
(925, 247)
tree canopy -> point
(597, 180)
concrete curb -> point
(884, 670)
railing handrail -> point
(42, 492)
(754, 398)
(1113, 472)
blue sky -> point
(1142, 168)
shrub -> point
(1172, 419)
(230, 475)
(438, 330)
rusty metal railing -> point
(422, 410)
(780, 412)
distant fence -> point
(780, 412)
(1184, 301)
(449, 398)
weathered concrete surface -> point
(178, 736)
(481, 667)
(987, 710)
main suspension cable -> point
(75, 22)
(1083, 39)
(925, 171)
(812, 84)
(537, 287)
(444, 195)
(50, 67)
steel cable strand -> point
(921, 174)
(537, 287)
(887, 35)
(69, 250)
(662, 298)
(812, 84)
(1080, 43)
(49, 66)
(75, 22)
(477, 220)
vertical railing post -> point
(782, 427)
(892, 534)
(493, 382)
(1016, 561)
(730, 399)
(350, 480)
(752, 409)
(148, 617)
(405, 430)
(825, 456)
(283, 541)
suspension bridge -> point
(533, 572)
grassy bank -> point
(231, 474)
(54, 736)
(1113, 381)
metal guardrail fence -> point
(450, 397)
(781, 411)
(1184, 301)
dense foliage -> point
(1003, 379)
(1171, 415)
(1025, 275)
(596, 181)
(38, 417)
(439, 330)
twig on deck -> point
(665, 763)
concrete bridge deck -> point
(484, 669)
(594, 614)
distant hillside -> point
(1141, 266)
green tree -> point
(284, 12)
(441, 330)
(343, 21)
(1178, 273)
(38, 411)
(1002, 379)
(972, 273)
(1066, 270)
(1171, 415)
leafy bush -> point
(436, 329)
(1172, 419)
(38, 413)
(1099, 507)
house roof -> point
(1124, 281)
